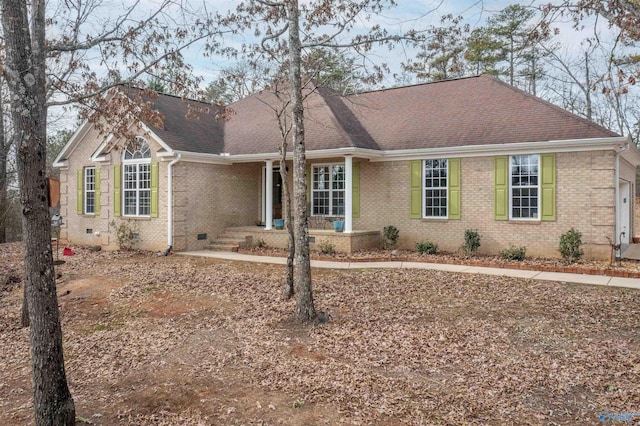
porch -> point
(342, 242)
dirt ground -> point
(180, 340)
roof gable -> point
(188, 125)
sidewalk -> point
(515, 273)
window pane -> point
(328, 186)
(137, 148)
(524, 186)
(337, 207)
(89, 189)
(435, 188)
(90, 206)
(144, 176)
(145, 202)
(129, 202)
(89, 178)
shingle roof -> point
(188, 125)
(252, 125)
(468, 111)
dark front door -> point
(277, 194)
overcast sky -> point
(409, 14)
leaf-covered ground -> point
(179, 340)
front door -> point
(277, 194)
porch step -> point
(222, 247)
(229, 241)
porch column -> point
(348, 195)
(268, 190)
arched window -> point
(136, 170)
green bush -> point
(390, 235)
(571, 245)
(326, 247)
(427, 247)
(513, 253)
(471, 242)
(260, 243)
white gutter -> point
(170, 202)
(196, 157)
(617, 238)
(570, 145)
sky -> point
(409, 14)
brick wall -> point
(585, 200)
(152, 231)
(209, 198)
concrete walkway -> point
(516, 273)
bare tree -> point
(41, 72)
(5, 144)
(286, 29)
(26, 76)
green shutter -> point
(355, 190)
(97, 193)
(154, 190)
(454, 188)
(548, 187)
(79, 191)
(415, 210)
(501, 188)
(117, 196)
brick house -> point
(431, 159)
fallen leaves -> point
(179, 340)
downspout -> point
(170, 203)
(617, 238)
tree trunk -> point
(4, 154)
(24, 317)
(25, 72)
(286, 196)
(305, 311)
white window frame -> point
(331, 190)
(136, 163)
(511, 188)
(424, 189)
(88, 191)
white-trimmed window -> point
(327, 190)
(524, 173)
(89, 190)
(136, 170)
(435, 188)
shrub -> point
(125, 234)
(513, 253)
(327, 247)
(390, 235)
(260, 243)
(427, 247)
(570, 245)
(471, 242)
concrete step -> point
(236, 237)
(222, 247)
(230, 240)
